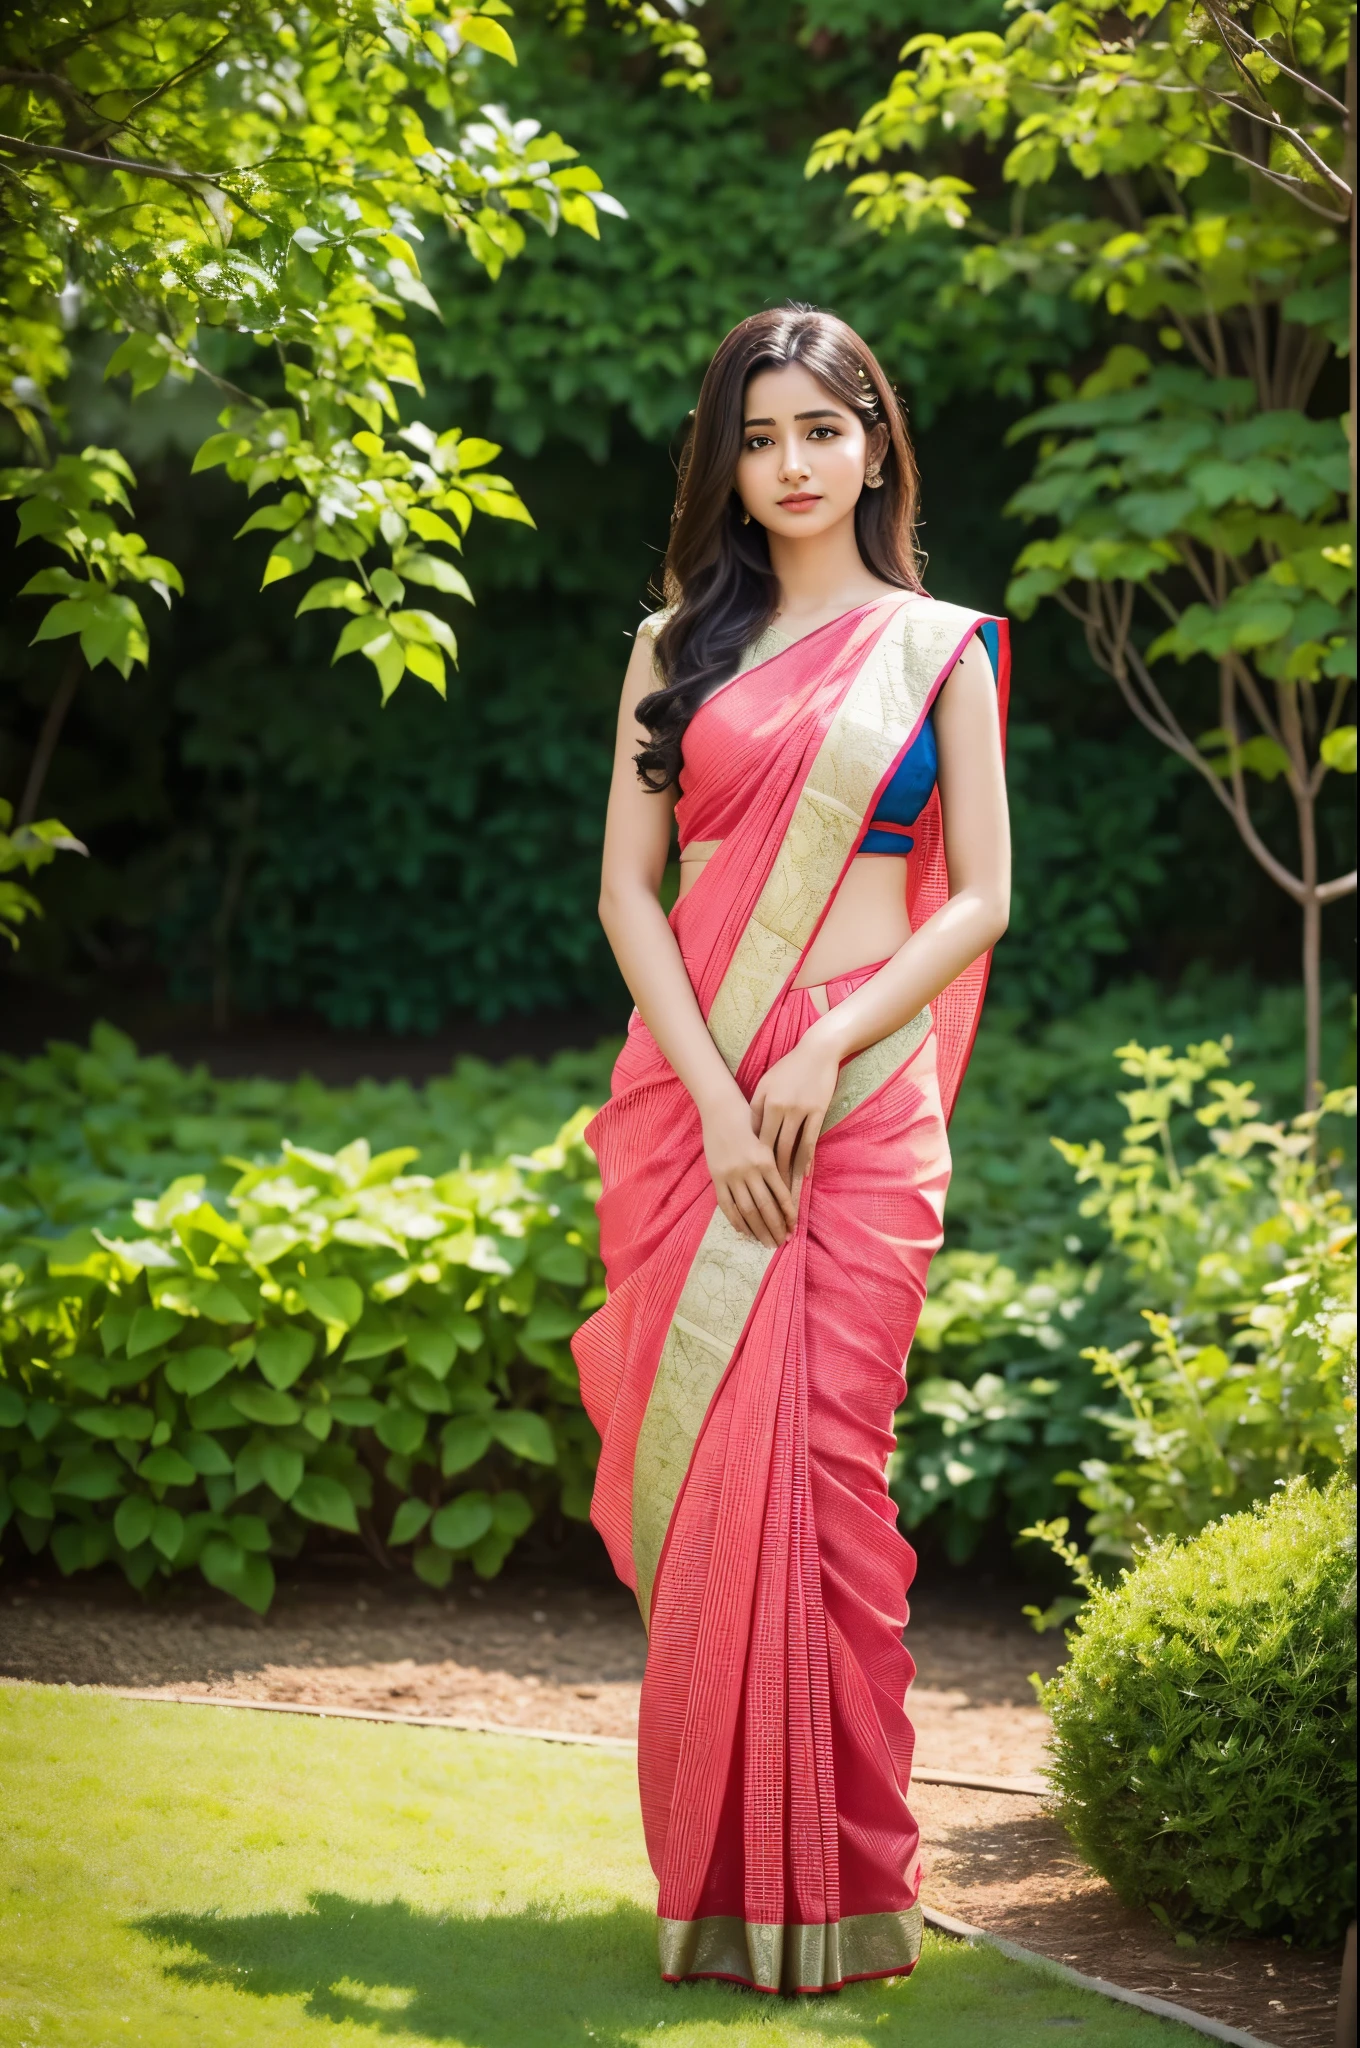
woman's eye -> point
(757, 442)
(829, 432)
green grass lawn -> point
(181, 1877)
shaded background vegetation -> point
(266, 839)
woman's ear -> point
(876, 446)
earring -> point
(746, 519)
(873, 478)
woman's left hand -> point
(792, 1099)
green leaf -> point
(463, 1522)
(150, 1327)
(166, 1468)
(195, 1370)
(400, 1429)
(283, 1355)
(488, 36)
(246, 1577)
(167, 1532)
(1338, 750)
(30, 1495)
(432, 1565)
(281, 1470)
(334, 593)
(145, 355)
(205, 1454)
(322, 1499)
(219, 448)
(511, 1514)
(11, 1408)
(358, 633)
(425, 628)
(428, 664)
(250, 1531)
(524, 1434)
(339, 1301)
(409, 1520)
(133, 1523)
(357, 1412)
(288, 558)
(112, 1421)
(437, 573)
(88, 1475)
(464, 1442)
(265, 1404)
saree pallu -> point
(745, 1398)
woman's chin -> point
(807, 525)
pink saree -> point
(745, 1398)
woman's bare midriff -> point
(867, 921)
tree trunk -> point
(1312, 999)
(48, 737)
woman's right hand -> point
(751, 1192)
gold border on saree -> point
(792, 1958)
(877, 717)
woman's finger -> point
(761, 1226)
(787, 1145)
(786, 1198)
(769, 1208)
(807, 1145)
(730, 1209)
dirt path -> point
(567, 1656)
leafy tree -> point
(1188, 169)
(214, 179)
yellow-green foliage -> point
(179, 1876)
(1204, 1724)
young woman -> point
(774, 1161)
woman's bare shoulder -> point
(654, 621)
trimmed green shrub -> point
(196, 1380)
(1204, 1730)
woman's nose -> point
(795, 462)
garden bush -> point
(338, 1342)
(435, 1389)
(1222, 1233)
(1204, 1724)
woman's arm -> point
(637, 835)
(793, 1096)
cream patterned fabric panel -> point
(875, 721)
(717, 1297)
(868, 1070)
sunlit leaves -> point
(290, 171)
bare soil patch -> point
(521, 1653)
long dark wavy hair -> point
(717, 578)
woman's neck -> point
(822, 576)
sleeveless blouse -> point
(902, 801)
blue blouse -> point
(908, 793)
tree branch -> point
(55, 153)
(1300, 78)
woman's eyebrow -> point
(823, 412)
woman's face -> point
(803, 453)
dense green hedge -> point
(340, 1341)
(1204, 1724)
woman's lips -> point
(799, 501)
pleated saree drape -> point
(744, 1398)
